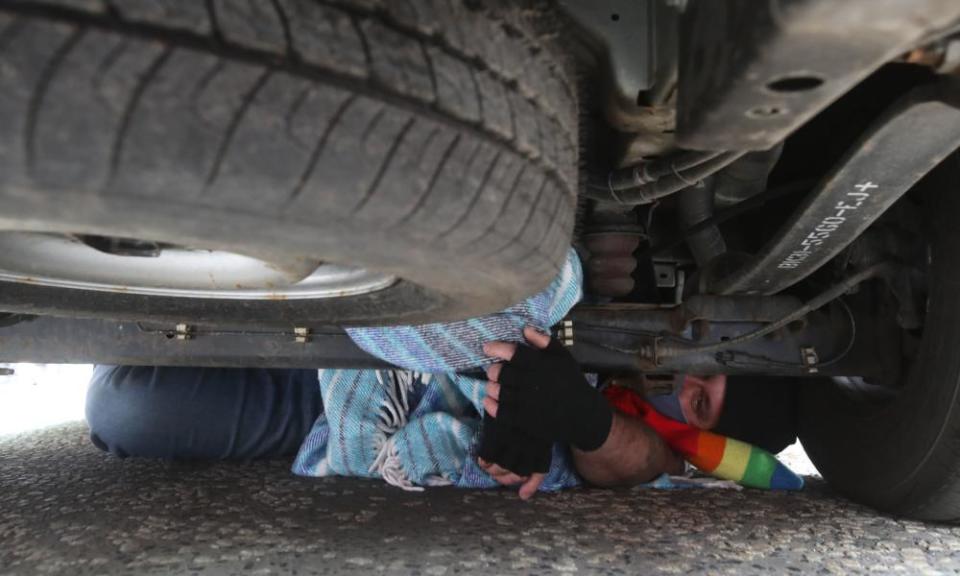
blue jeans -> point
(201, 413)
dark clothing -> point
(201, 413)
(761, 412)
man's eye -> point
(699, 404)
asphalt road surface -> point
(66, 508)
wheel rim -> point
(152, 269)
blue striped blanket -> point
(420, 426)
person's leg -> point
(201, 413)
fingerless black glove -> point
(513, 449)
(544, 393)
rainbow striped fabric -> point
(714, 454)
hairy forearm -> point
(633, 453)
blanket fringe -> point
(389, 467)
(395, 410)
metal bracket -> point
(565, 333)
(810, 359)
(666, 273)
(183, 332)
(301, 335)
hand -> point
(541, 391)
(528, 484)
(512, 456)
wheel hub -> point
(149, 268)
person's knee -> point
(122, 416)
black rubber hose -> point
(695, 205)
(731, 212)
(746, 177)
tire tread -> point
(450, 74)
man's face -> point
(701, 399)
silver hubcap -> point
(69, 262)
